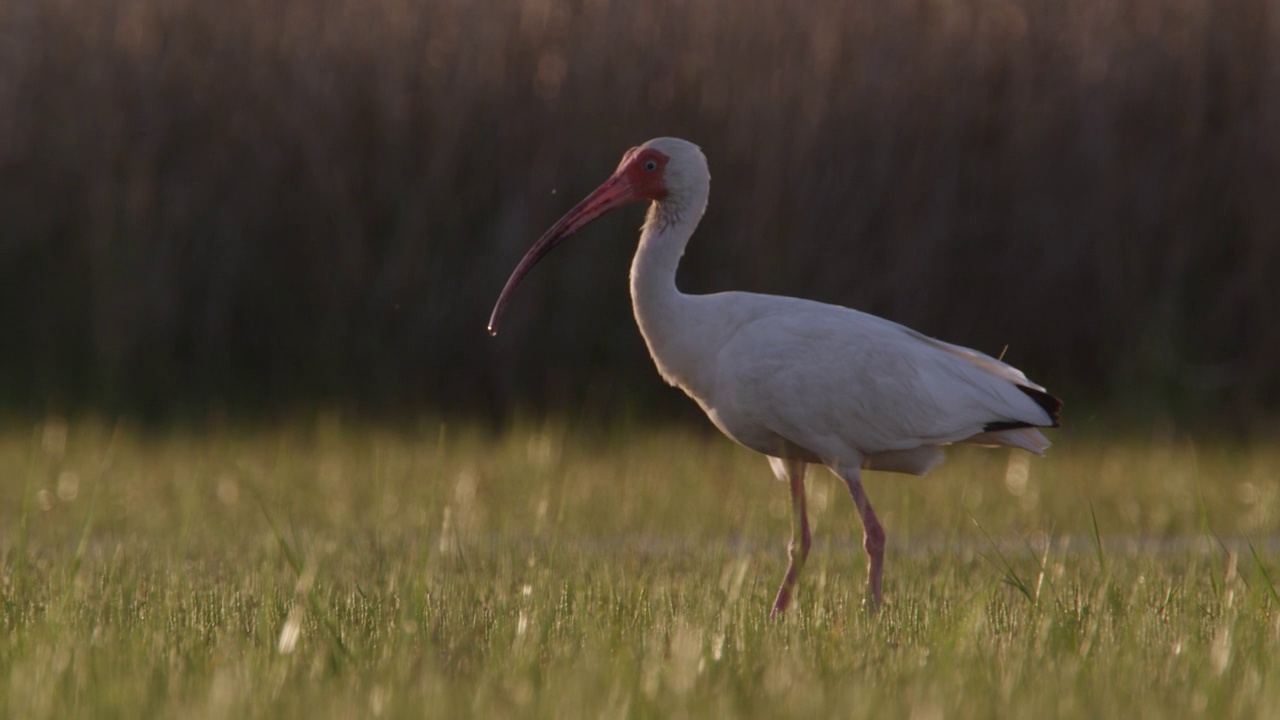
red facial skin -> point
(640, 176)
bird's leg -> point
(798, 551)
(872, 539)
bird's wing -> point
(829, 378)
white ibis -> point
(799, 381)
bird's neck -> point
(666, 316)
(666, 232)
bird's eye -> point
(650, 166)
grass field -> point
(323, 569)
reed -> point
(275, 204)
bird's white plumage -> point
(792, 377)
(845, 385)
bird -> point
(799, 381)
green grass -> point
(334, 571)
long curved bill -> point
(614, 193)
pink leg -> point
(872, 539)
(800, 540)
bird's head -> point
(663, 168)
(667, 171)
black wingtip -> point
(1047, 402)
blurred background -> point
(263, 207)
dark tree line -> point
(273, 205)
